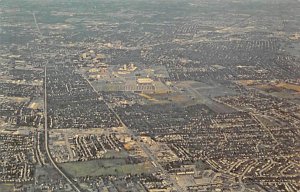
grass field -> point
(246, 82)
(105, 167)
(265, 86)
(6, 187)
(289, 86)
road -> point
(37, 148)
(36, 24)
(47, 142)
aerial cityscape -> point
(149, 95)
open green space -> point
(6, 187)
(102, 167)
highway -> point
(37, 148)
(47, 142)
(36, 24)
